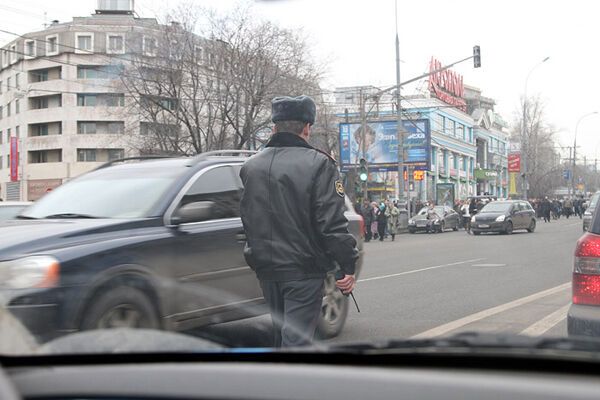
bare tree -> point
(208, 82)
(540, 154)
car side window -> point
(220, 186)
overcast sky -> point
(357, 37)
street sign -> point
(567, 174)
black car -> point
(504, 217)
(447, 219)
(140, 243)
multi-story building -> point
(63, 111)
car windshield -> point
(127, 194)
(258, 174)
(494, 207)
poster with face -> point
(445, 194)
(381, 144)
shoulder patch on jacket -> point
(339, 188)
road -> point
(427, 285)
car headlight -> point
(29, 272)
(411, 221)
(473, 218)
(587, 213)
(501, 218)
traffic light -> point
(363, 172)
(476, 57)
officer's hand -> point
(346, 284)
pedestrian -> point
(546, 207)
(381, 222)
(392, 214)
(466, 217)
(368, 217)
(292, 209)
(568, 207)
(431, 218)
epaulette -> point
(328, 155)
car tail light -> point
(586, 270)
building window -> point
(85, 128)
(18, 132)
(13, 53)
(1, 164)
(18, 80)
(17, 106)
(8, 132)
(86, 155)
(98, 71)
(450, 126)
(115, 100)
(115, 44)
(116, 127)
(1, 138)
(460, 131)
(30, 48)
(85, 43)
(40, 130)
(149, 45)
(86, 100)
(8, 85)
(1, 87)
(0, 112)
(8, 109)
(115, 154)
(4, 57)
(8, 161)
(41, 76)
(51, 45)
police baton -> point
(340, 275)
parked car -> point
(504, 217)
(143, 243)
(448, 219)
(589, 211)
(10, 209)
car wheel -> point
(531, 228)
(411, 231)
(334, 311)
(509, 228)
(442, 227)
(122, 307)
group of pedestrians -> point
(553, 209)
(381, 219)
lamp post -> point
(524, 130)
(575, 149)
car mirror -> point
(193, 212)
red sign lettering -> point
(447, 85)
(514, 162)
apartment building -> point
(63, 110)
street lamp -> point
(575, 148)
(524, 129)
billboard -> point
(382, 145)
(514, 162)
(14, 159)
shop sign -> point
(485, 174)
(447, 85)
(36, 188)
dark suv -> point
(151, 243)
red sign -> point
(418, 175)
(447, 85)
(14, 159)
(514, 162)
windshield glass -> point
(496, 207)
(104, 195)
(9, 212)
(195, 167)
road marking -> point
(488, 265)
(414, 271)
(459, 323)
(547, 323)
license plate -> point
(483, 226)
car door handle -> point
(241, 238)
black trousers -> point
(381, 230)
(295, 309)
(368, 234)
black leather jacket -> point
(293, 212)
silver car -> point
(589, 212)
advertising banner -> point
(485, 174)
(513, 183)
(14, 159)
(381, 145)
(514, 162)
(445, 194)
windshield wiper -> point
(69, 215)
(24, 217)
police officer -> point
(293, 215)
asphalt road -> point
(427, 285)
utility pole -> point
(400, 127)
(363, 139)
